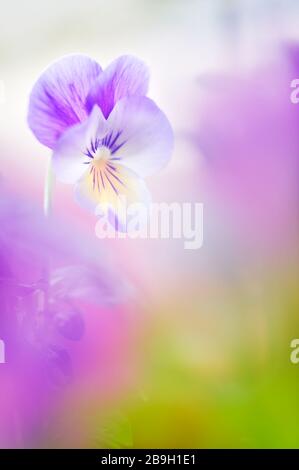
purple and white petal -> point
(57, 100)
(72, 153)
(145, 137)
(125, 76)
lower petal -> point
(115, 193)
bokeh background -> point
(145, 344)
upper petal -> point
(145, 140)
(57, 100)
(125, 76)
(70, 153)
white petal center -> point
(102, 153)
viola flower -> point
(106, 135)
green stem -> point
(48, 189)
(48, 193)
